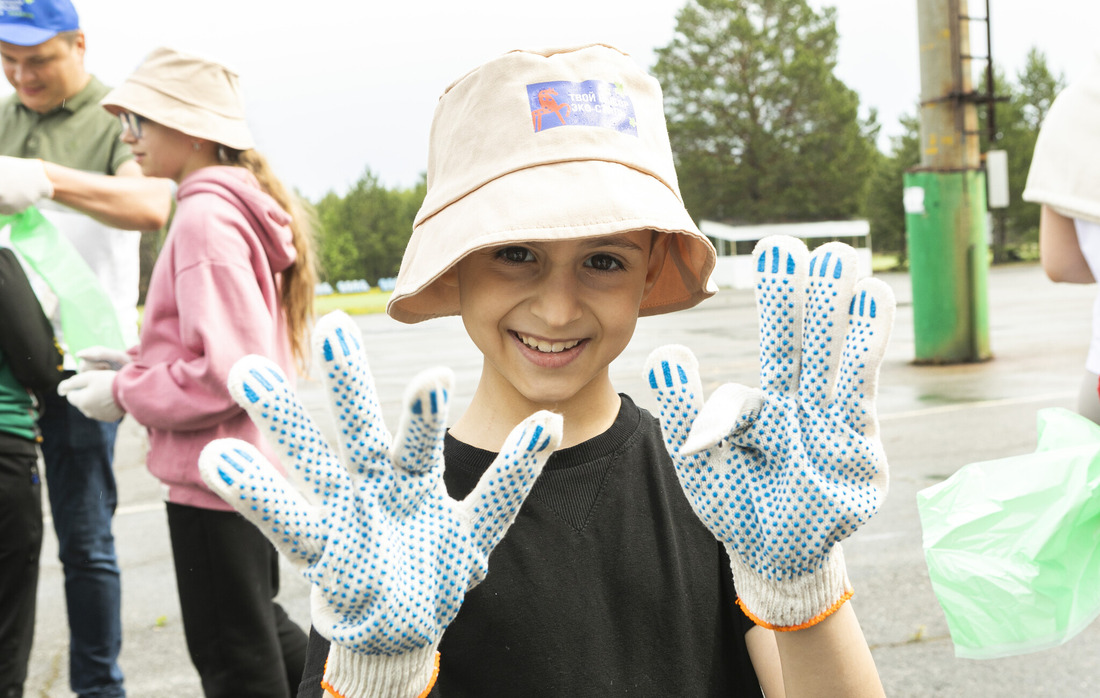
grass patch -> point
(373, 301)
(884, 262)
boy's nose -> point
(557, 300)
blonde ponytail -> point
(300, 279)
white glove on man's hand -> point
(99, 358)
(23, 182)
(91, 392)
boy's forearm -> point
(830, 658)
(128, 200)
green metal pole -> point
(945, 198)
(948, 261)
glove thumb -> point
(731, 409)
(74, 383)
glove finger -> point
(493, 504)
(673, 374)
(364, 442)
(418, 449)
(101, 353)
(780, 294)
(831, 277)
(73, 384)
(240, 475)
(100, 358)
(86, 365)
(97, 351)
(260, 387)
(871, 318)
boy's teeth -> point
(548, 347)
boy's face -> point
(550, 316)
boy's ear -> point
(449, 278)
(658, 253)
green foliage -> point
(1018, 117)
(374, 301)
(884, 210)
(1018, 120)
(760, 127)
(363, 234)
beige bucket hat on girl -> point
(549, 145)
(193, 95)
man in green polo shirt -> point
(59, 151)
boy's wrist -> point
(350, 674)
(792, 604)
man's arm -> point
(1059, 249)
(127, 200)
(830, 658)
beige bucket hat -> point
(190, 94)
(549, 145)
(1064, 167)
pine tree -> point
(761, 128)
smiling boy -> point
(549, 317)
(615, 574)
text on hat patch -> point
(14, 8)
(589, 103)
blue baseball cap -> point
(32, 22)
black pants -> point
(240, 640)
(20, 545)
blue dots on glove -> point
(783, 473)
(389, 554)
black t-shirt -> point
(29, 356)
(606, 584)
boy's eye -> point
(515, 255)
(603, 262)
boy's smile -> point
(549, 317)
(547, 346)
(548, 353)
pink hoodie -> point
(213, 298)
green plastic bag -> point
(87, 314)
(1013, 545)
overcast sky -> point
(333, 88)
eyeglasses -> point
(131, 122)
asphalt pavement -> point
(934, 419)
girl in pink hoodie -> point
(235, 277)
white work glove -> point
(389, 554)
(23, 182)
(99, 358)
(782, 474)
(91, 392)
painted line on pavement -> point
(980, 404)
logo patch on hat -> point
(589, 103)
(13, 8)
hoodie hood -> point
(240, 188)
